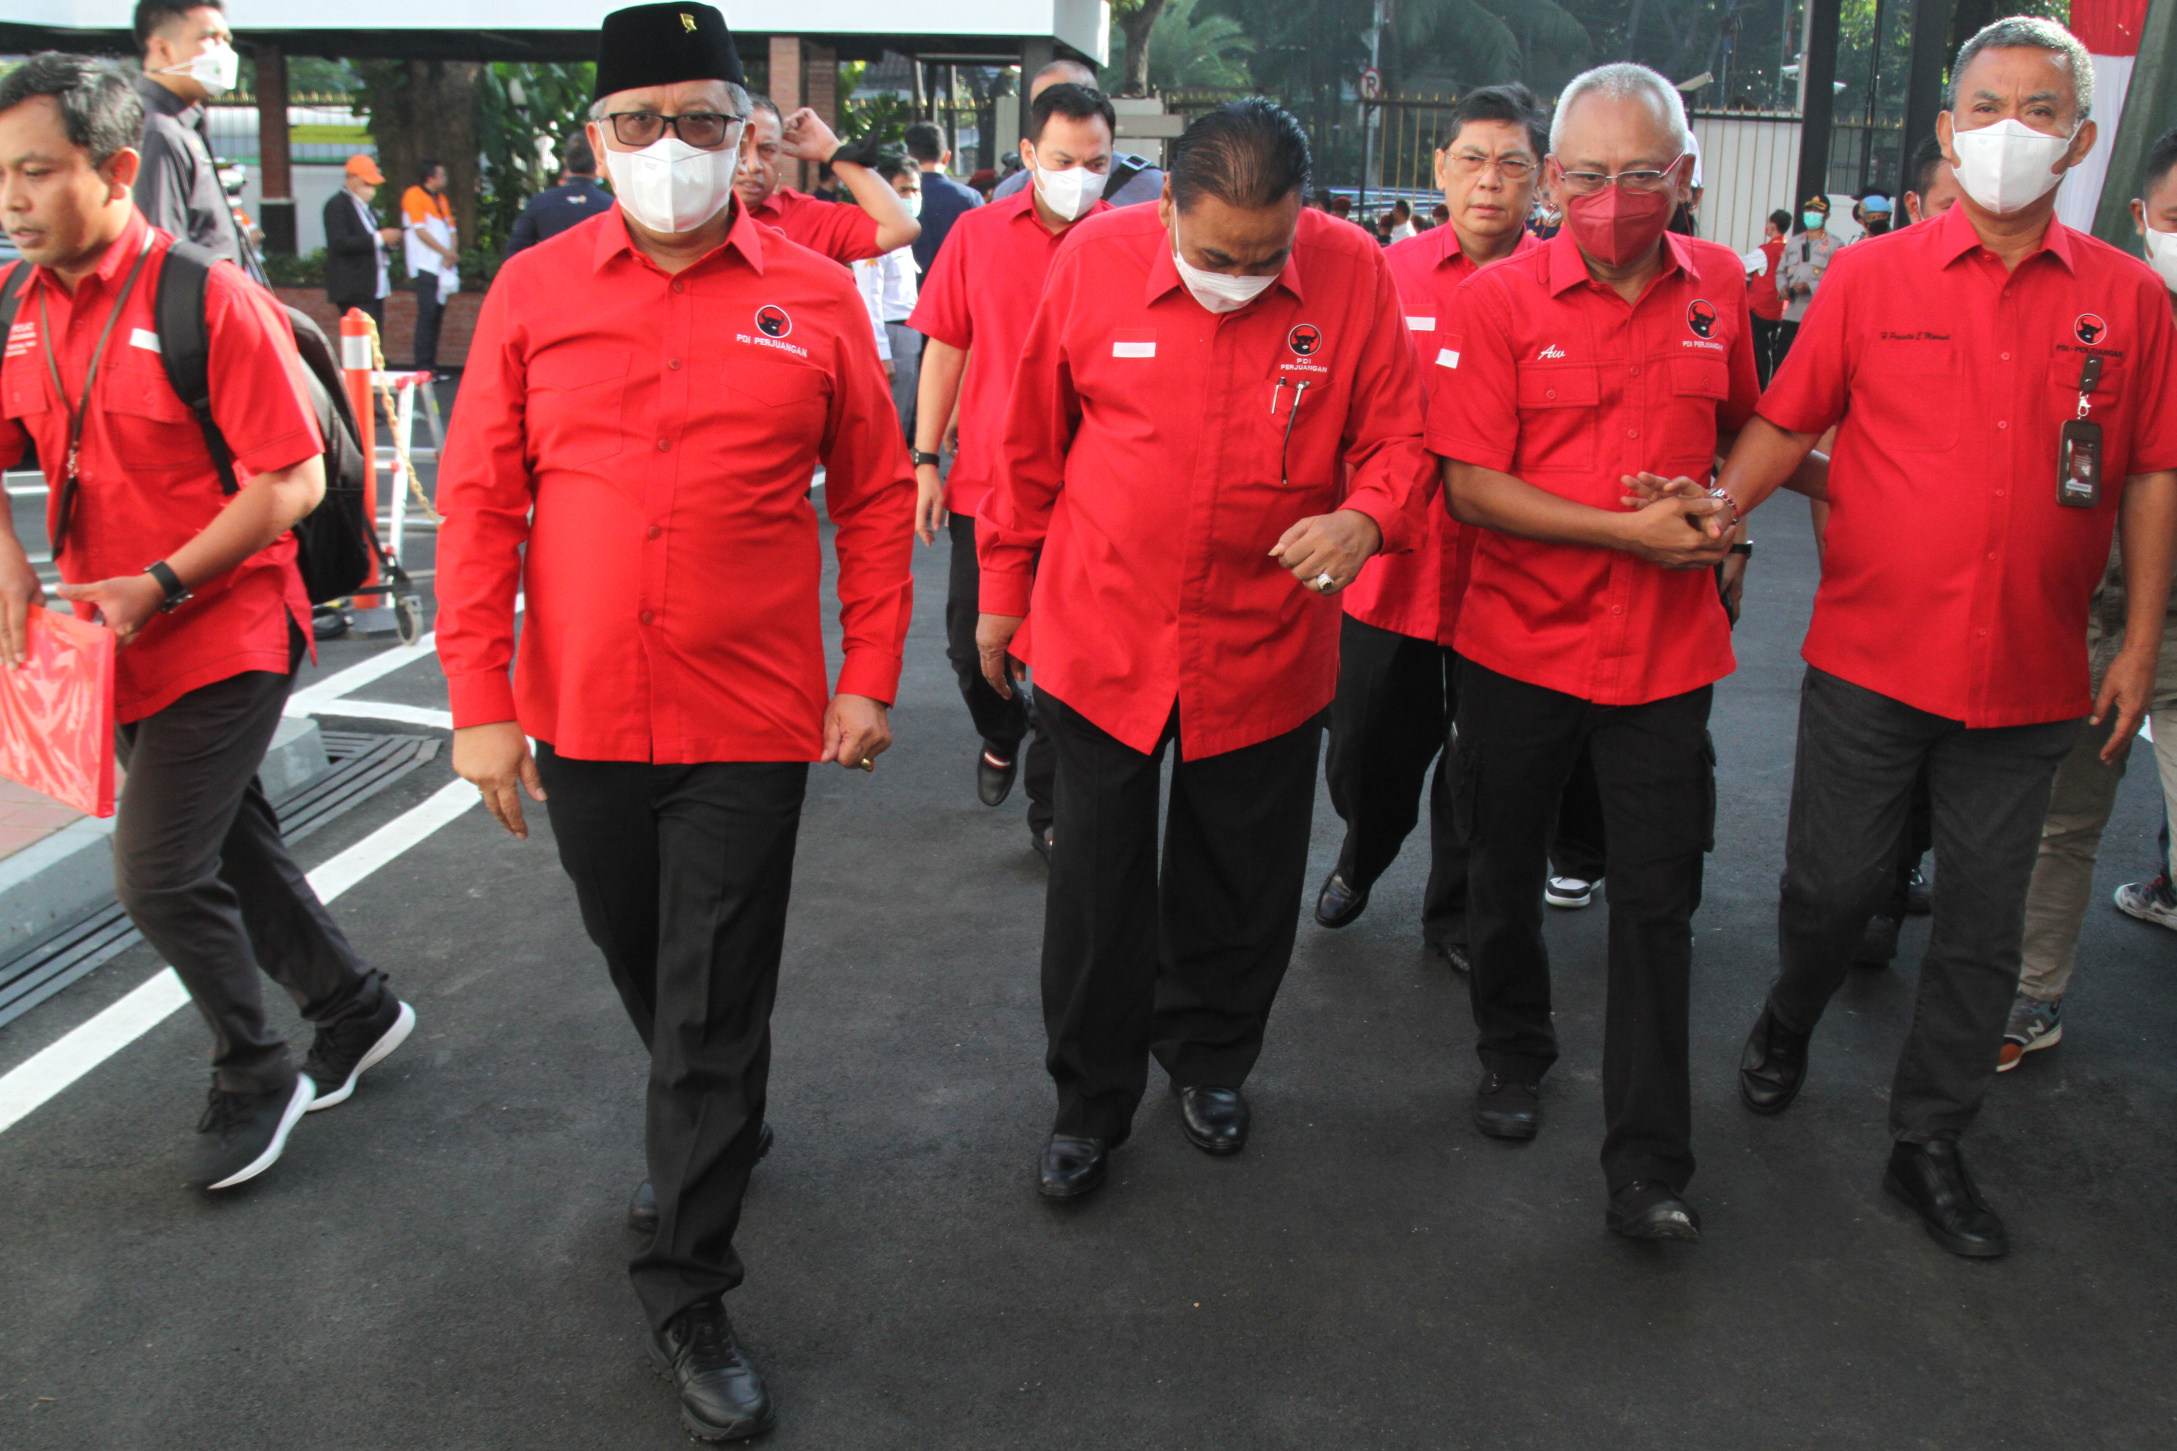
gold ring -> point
(869, 763)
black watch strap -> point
(921, 458)
(169, 581)
(1746, 548)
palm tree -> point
(1188, 49)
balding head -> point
(1071, 72)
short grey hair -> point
(2031, 32)
(736, 96)
(1623, 78)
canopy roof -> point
(968, 31)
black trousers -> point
(429, 312)
(1656, 767)
(1397, 698)
(1852, 783)
(1002, 723)
(1768, 346)
(1181, 961)
(683, 875)
(200, 867)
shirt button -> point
(683, 287)
(1984, 634)
(664, 444)
(1635, 370)
(1617, 609)
(1550, 393)
(1632, 433)
(2003, 423)
(674, 363)
(655, 531)
(1999, 493)
(649, 617)
(1991, 558)
(2006, 357)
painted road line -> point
(421, 715)
(27, 1086)
(315, 695)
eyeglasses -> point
(1511, 168)
(704, 130)
(1584, 183)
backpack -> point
(336, 541)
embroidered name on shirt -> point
(1134, 349)
(1421, 324)
(21, 338)
(1552, 351)
(760, 342)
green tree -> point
(1191, 48)
(1137, 20)
(524, 115)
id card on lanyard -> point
(2078, 447)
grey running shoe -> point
(2034, 1025)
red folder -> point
(56, 713)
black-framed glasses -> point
(704, 130)
(1582, 183)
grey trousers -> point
(906, 372)
(2084, 793)
(1852, 780)
(200, 867)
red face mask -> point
(1616, 225)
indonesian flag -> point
(2109, 29)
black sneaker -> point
(241, 1134)
(722, 1395)
(342, 1052)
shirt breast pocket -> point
(1557, 417)
(150, 428)
(1699, 386)
(575, 404)
(1909, 392)
(2063, 376)
(795, 401)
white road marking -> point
(314, 697)
(27, 1086)
(421, 715)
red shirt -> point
(1563, 383)
(664, 429)
(1418, 593)
(1141, 456)
(980, 296)
(840, 231)
(1952, 580)
(146, 483)
(1762, 298)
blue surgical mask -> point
(1814, 221)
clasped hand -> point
(1675, 523)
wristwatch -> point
(177, 594)
(920, 458)
(1745, 547)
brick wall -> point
(399, 342)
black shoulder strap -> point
(1124, 168)
(185, 345)
(12, 283)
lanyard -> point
(82, 411)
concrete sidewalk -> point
(439, 1263)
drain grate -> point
(362, 766)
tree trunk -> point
(421, 108)
(1136, 25)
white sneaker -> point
(2149, 902)
(1570, 893)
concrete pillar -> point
(1036, 52)
(1817, 73)
(786, 90)
(275, 178)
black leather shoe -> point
(1215, 1119)
(1338, 904)
(1455, 955)
(1773, 1066)
(1073, 1166)
(1041, 841)
(722, 1395)
(1931, 1178)
(1506, 1107)
(1919, 897)
(1878, 944)
(994, 775)
(642, 1210)
(1645, 1209)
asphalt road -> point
(438, 1263)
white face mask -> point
(670, 186)
(215, 68)
(2162, 256)
(2005, 167)
(1072, 193)
(1218, 291)
(914, 203)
